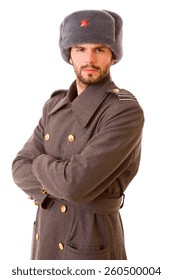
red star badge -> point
(84, 23)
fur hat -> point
(91, 27)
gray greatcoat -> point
(76, 166)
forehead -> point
(91, 46)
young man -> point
(85, 150)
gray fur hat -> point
(91, 27)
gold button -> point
(115, 90)
(43, 191)
(63, 208)
(47, 137)
(36, 203)
(61, 246)
(71, 138)
(37, 236)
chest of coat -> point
(64, 137)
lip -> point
(89, 70)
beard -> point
(90, 79)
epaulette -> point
(124, 95)
(58, 92)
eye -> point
(80, 49)
(99, 50)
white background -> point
(31, 68)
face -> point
(91, 62)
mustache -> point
(90, 66)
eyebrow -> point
(99, 46)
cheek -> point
(77, 64)
(78, 58)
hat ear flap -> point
(118, 35)
(64, 52)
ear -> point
(70, 60)
(113, 59)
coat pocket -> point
(86, 253)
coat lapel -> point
(85, 105)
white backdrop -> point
(31, 68)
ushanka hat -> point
(91, 27)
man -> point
(85, 150)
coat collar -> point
(85, 105)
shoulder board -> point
(56, 92)
(124, 95)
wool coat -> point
(76, 166)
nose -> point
(90, 57)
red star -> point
(84, 23)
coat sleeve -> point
(22, 164)
(104, 158)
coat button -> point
(37, 236)
(36, 203)
(115, 90)
(61, 246)
(47, 137)
(43, 191)
(63, 208)
(71, 138)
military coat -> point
(76, 166)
